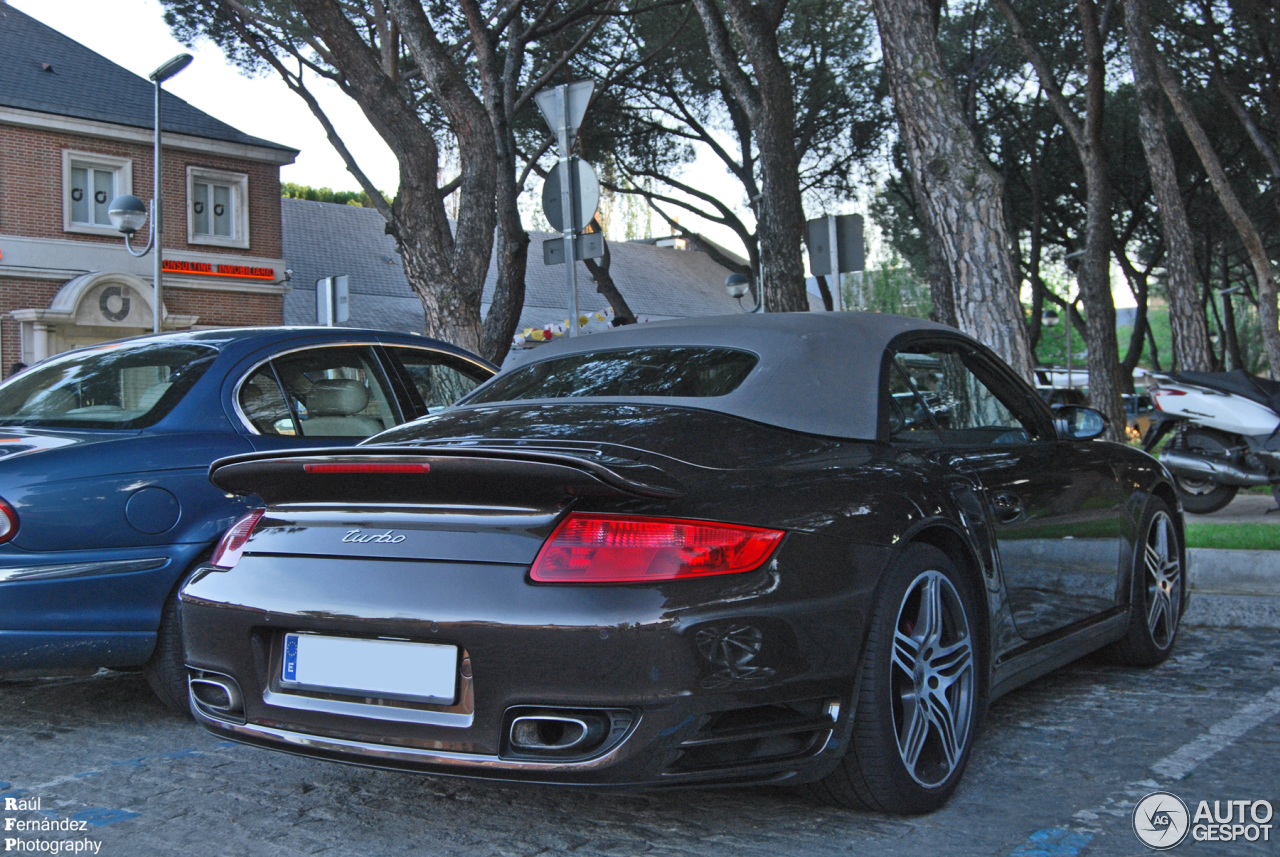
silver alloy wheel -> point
(1163, 580)
(932, 679)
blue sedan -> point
(105, 501)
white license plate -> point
(384, 669)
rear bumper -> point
(749, 682)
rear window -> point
(124, 386)
(671, 372)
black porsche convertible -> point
(802, 549)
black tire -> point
(1202, 496)
(875, 772)
(1158, 591)
(166, 671)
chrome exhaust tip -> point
(216, 695)
(564, 733)
(548, 732)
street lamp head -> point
(170, 68)
(1050, 318)
(737, 285)
(127, 213)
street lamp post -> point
(737, 285)
(127, 212)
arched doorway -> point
(92, 308)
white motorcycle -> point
(1227, 435)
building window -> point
(217, 208)
(89, 183)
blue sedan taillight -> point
(8, 522)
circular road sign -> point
(586, 200)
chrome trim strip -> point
(80, 569)
(299, 742)
(235, 394)
(362, 709)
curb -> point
(1233, 588)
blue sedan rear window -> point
(124, 386)
(672, 372)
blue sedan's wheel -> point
(920, 692)
(166, 671)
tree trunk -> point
(1186, 315)
(828, 303)
(445, 267)
(1094, 273)
(961, 192)
(605, 284)
(1233, 338)
(769, 103)
(1037, 251)
(1230, 338)
(512, 245)
(1094, 278)
(1249, 236)
(1138, 284)
(499, 77)
(942, 297)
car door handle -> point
(1006, 506)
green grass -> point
(1234, 536)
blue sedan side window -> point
(263, 404)
(439, 379)
(119, 386)
(337, 392)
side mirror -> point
(1076, 422)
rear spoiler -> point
(414, 474)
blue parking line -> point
(101, 816)
(1053, 842)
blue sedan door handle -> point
(1006, 506)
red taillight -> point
(589, 548)
(367, 467)
(231, 546)
(8, 522)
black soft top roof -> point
(817, 373)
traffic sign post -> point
(332, 300)
(834, 255)
(836, 247)
(563, 108)
(588, 246)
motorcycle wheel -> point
(1204, 496)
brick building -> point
(75, 132)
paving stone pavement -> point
(1056, 772)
